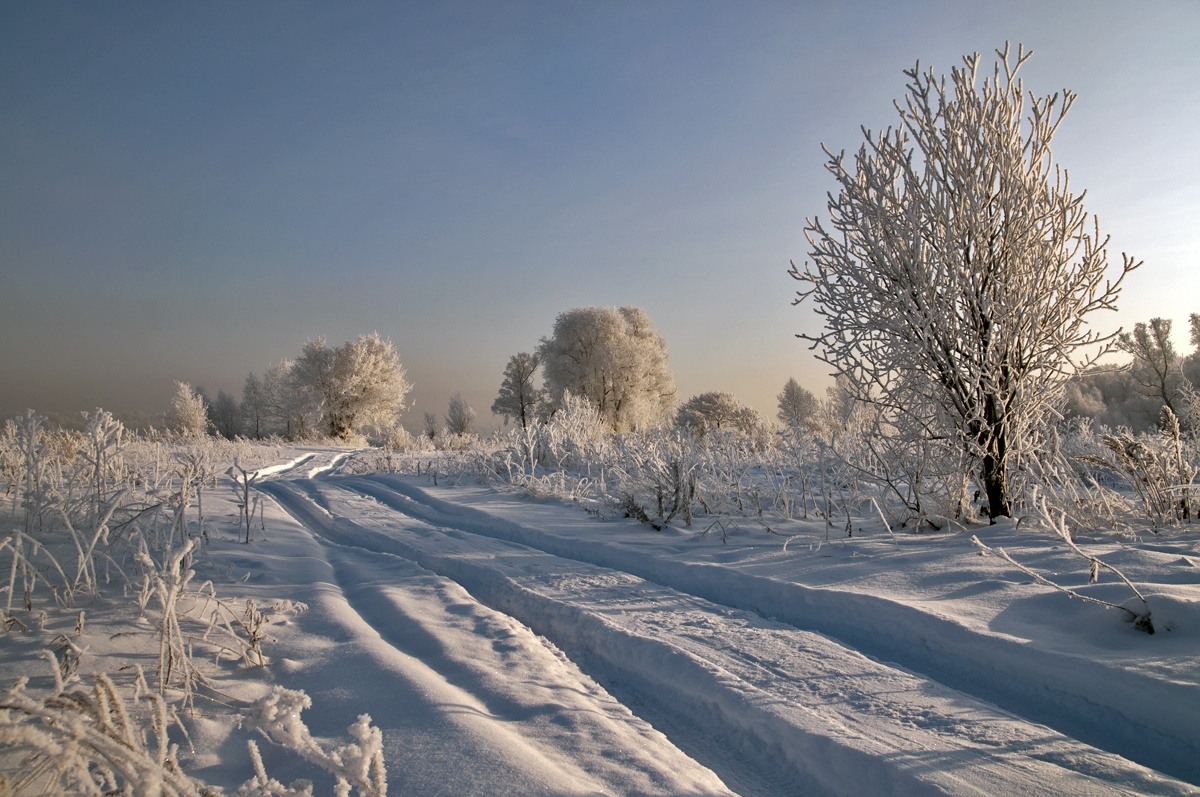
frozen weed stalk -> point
(242, 481)
(83, 506)
(1057, 522)
(358, 764)
(94, 741)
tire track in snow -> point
(308, 503)
(555, 718)
(878, 730)
(1047, 688)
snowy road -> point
(503, 654)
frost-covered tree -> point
(707, 411)
(431, 425)
(797, 406)
(1191, 364)
(615, 359)
(187, 416)
(460, 417)
(253, 408)
(1081, 399)
(958, 269)
(1156, 368)
(289, 409)
(840, 415)
(519, 397)
(356, 386)
(224, 415)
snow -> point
(510, 646)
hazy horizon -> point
(191, 192)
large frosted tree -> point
(356, 386)
(615, 359)
(957, 268)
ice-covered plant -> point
(358, 764)
(1056, 522)
(242, 481)
(166, 584)
(96, 741)
(102, 455)
(32, 447)
(1159, 469)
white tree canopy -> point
(707, 411)
(958, 269)
(615, 359)
(359, 385)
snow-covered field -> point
(512, 646)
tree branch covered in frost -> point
(1057, 522)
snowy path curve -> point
(800, 711)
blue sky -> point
(190, 191)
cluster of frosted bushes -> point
(98, 524)
(728, 480)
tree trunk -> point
(995, 488)
(995, 461)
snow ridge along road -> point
(795, 711)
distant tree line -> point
(334, 392)
(618, 363)
(1156, 379)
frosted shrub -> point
(98, 741)
(572, 433)
(11, 470)
(102, 455)
(654, 477)
(106, 515)
(358, 764)
(1117, 478)
(34, 455)
(111, 740)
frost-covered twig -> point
(1058, 523)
